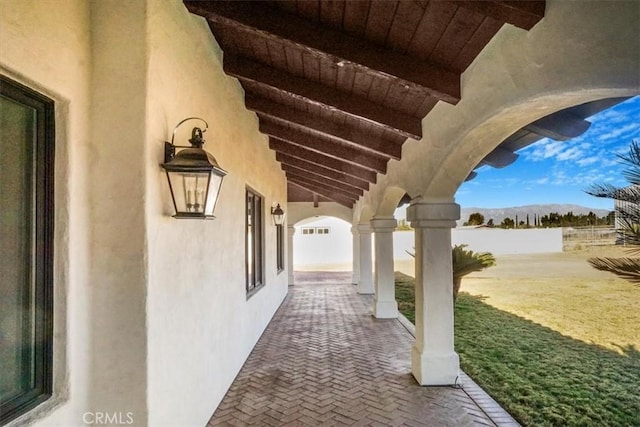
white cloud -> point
(572, 153)
(588, 160)
(559, 151)
(619, 131)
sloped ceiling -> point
(339, 86)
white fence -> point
(494, 240)
(336, 247)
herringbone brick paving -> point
(324, 360)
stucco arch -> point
(574, 55)
(389, 202)
(299, 211)
(481, 140)
(364, 213)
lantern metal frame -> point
(193, 162)
(278, 215)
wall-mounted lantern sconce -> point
(278, 215)
(194, 175)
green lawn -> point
(539, 375)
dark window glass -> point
(254, 245)
(280, 247)
(26, 248)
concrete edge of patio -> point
(486, 403)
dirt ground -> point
(566, 264)
(563, 292)
(558, 290)
(571, 263)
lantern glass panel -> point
(189, 191)
(278, 219)
(214, 190)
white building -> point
(150, 318)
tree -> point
(490, 223)
(627, 208)
(476, 218)
(507, 223)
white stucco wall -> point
(119, 278)
(201, 326)
(300, 211)
(151, 313)
(333, 248)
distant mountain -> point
(498, 214)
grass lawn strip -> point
(540, 376)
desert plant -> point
(627, 210)
(464, 262)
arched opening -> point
(554, 288)
(323, 243)
(552, 170)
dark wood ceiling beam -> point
(297, 118)
(320, 159)
(324, 146)
(343, 201)
(332, 100)
(321, 189)
(327, 187)
(259, 20)
(287, 160)
(560, 126)
(323, 96)
(351, 191)
(522, 14)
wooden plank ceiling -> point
(339, 86)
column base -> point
(385, 309)
(434, 369)
(365, 288)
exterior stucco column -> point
(290, 232)
(356, 255)
(365, 284)
(384, 305)
(434, 361)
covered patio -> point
(337, 108)
(324, 360)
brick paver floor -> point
(325, 360)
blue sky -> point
(558, 171)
